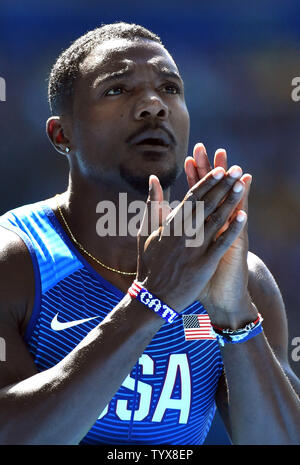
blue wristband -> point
(138, 292)
(227, 336)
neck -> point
(99, 219)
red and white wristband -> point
(138, 292)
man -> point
(87, 362)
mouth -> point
(152, 140)
(153, 144)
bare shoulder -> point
(17, 289)
(16, 278)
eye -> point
(172, 89)
(114, 91)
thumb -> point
(247, 179)
(157, 208)
(156, 211)
(155, 189)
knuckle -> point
(232, 199)
(224, 242)
(209, 180)
(217, 219)
(230, 180)
(209, 206)
(206, 183)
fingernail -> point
(238, 187)
(218, 173)
(201, 146)
(150, 184)
(199, 150)
(235, 171)
(220, 150)
(241, 216)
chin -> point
(140, 183)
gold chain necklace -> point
(83, 249)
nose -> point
(151, 106)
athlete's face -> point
(129, 115)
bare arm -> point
(60, 405)
(263, 406)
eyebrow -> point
(124, 73)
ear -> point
(56, 134)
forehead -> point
(113, 55)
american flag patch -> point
(197, 327)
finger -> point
(154, 194)
(198, 192)
(157, 209)
(225, 240)
(150, 217)
(191, 171)
(220, 159)
(160, 208)
(193, 195)
(205, 184)
(217, 193)
(243, 204)
(247, 180)
(155, 189)
(224, 211)
(202, 162)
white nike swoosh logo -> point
(59, 326)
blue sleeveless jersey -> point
(168, 398)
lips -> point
(154, 138)
(153, 141)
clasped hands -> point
(216, 272)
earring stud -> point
(67, 149)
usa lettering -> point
(177, 364)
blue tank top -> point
(168, 398)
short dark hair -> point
(66, 68)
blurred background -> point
(237, 60)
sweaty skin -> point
(99, 130)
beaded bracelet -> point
(138, 292)
(230, 336)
